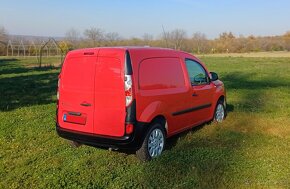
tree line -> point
(197, 42)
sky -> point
(135, 18)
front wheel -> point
(219, 114)
(153, 143)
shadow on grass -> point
(7, 60)
(207, 160)
(241, 80)
(195, 161)
(27, 89)
(14, 66)
(252, 90)
(230, 108)
(172, 141)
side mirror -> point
(214, 76)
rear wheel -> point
(219, 114)
(153, 144)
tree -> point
(286, 38)
(175, 38)
(112, 38)
(3, 40)
(147, 38)
(199, 42)
(73, 37)
(3, 34)
(225, 42)
(64, 46)
(95, 35)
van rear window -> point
(160, 73)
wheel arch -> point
(221, 98)
(160, 119)
(216, 100)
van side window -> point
(196, 72)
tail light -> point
(129, 128)
(129, 95)
(128, 90)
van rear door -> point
(76, 92)
(110, 108)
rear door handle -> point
(85, 104)
(194, 94)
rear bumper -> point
(129, 142)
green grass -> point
(251, 149)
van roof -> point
(145, 48)
(126, 48)
(130, 48)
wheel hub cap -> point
(220, 113)
(155, 143)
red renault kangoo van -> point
(135, 97)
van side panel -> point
(162, 90)
(166, 75)
(110, 110)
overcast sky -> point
(134, 18)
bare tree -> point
(3, 40)
(3, 34)
(175, 38)
(286, 38)
(73, 36)
(178, 36)
(199, 41)
(95, 35)
(225, 42)
(112, 38)
(147, 37)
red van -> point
(135, 97)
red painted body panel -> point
(99, 82)
(109, 93)
(161, 87)
(76, 87)
(202, 95)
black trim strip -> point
(128, 65)
(131, 113)
(191, 109)
(131, 142)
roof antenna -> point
(165, 36)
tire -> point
(220, 112)
(153, 144)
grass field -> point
(272, 54)
(251, 149)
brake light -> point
(129, 128)
(128, 89)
